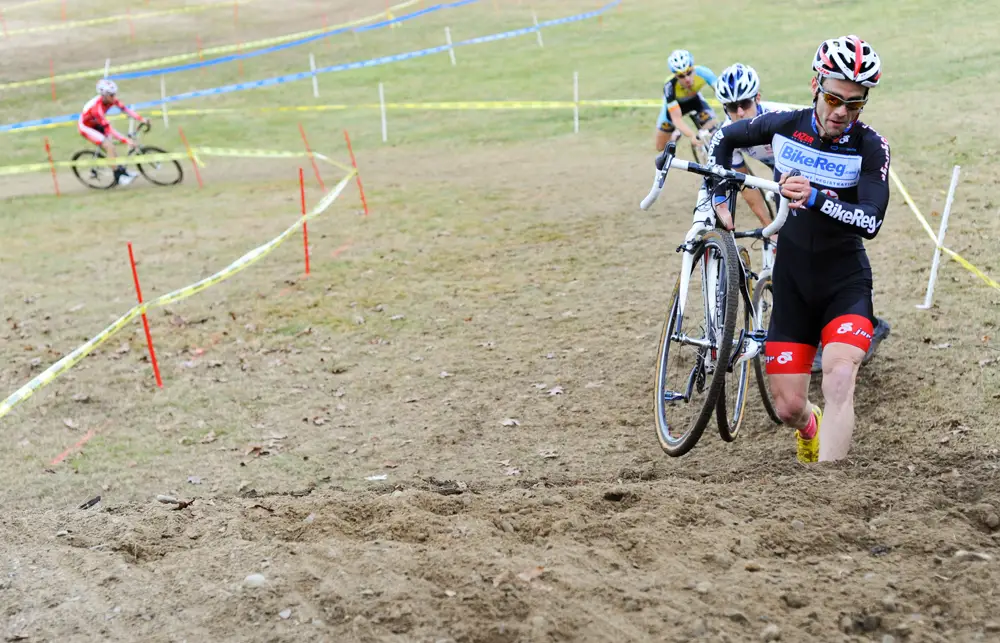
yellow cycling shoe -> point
(808, 449)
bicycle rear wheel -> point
(763, 297)
(159, 172)
(701, 350)
(98, 177)
(732, 400)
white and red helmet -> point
(848, 58)
(106, 87)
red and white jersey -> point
(94, 116)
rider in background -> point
(95, 127)
(834, 170)
(738, 89)
(681, 97)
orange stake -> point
(305, 224)
(145, 322)
(357, 174)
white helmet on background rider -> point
(736, 83)
(848, 58)
(106, 87)
(680, 60)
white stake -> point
(576, 102)
(163, 99)
(937, 251)
(312, 67)
(537, 30)
(107, 67)
(381, 102)
(451, 49)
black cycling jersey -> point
(849, 175)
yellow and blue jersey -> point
(676, 94)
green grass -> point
(624, 58)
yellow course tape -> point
(211, 51)
(73, 24)
(67, 362)
(197, 152)
(962, 261)
(99, 162)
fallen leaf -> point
(510, 422)
(70, 424)
(209, 438)
(555, 390)
(529, 575)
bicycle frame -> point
(704, 220)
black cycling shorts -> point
(817, 297)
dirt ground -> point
(488, 356)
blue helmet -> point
(737, 83)
(680, 60)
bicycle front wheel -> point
(763, 302)
(159, 172)
(695, 345)
(98, 177)
(732, 402)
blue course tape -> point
(280, 80)
(288, 45)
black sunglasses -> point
(746, 104)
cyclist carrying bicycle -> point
(738, 88)
(822, 279)
(681, 97)
(95, 127)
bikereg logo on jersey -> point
(855, 217)
(822, 168)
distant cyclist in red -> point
(95, 127)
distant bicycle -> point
(102, 177)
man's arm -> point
(864, 217)
(129, 111)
